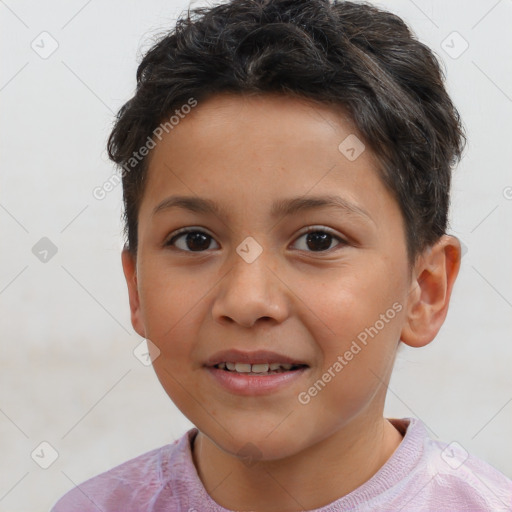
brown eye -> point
(191, 241)
(319, 240)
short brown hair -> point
(334, 52)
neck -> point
(312, 478)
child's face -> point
(311, 299)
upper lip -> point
(256, 357)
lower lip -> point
(251, 385)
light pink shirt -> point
(422, 475)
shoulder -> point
(128, 487)
(467, 479)
(447, 478)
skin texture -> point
(295, 298)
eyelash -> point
(311, 229)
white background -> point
(67, 372)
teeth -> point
(242, 367)
(259, 368)
(255, 368)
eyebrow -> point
(280, 208)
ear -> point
(130, 273)
(429, 296)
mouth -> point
(258, 368)
(254, 373)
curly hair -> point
(334, 52)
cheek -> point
(360, 323)
(171, 304)
(169, 301)
(345, 304)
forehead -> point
(238, 148)
(279, 115)
(259, 122)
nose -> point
(251, 292)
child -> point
(259, 128)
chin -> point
(253, 443)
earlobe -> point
(429, 296)
(130, 273)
